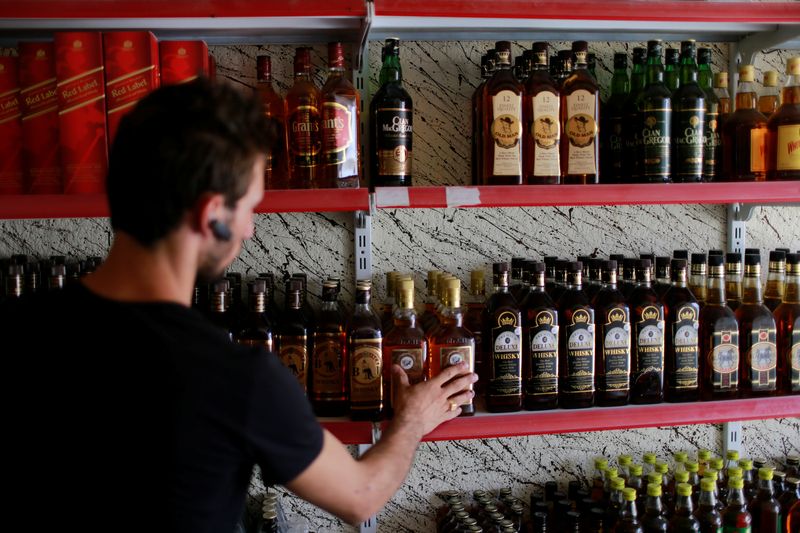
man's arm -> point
(353, 489)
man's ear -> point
(208, 208)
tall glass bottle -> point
(735, 517)
(256, 328)
(631, 131)
(577, 346)
(503, 346)
(303, 124)
(364, 342)
(655, 120)
(768, 99)
(712, 147)
(663, 276)
(218, 311)
(653, 520)
(724, 97)
(647, 356)
(453, 343)
(733, 279)
(689, 120)
(341, 123)
(428, 319)
(719, 339)
(628, 519)
(542, 114)
(502, 123)
(474, 320)
(788, 499)
(614, 155)
(613, 350)
(580, 111)
(672, 75)
(329, 373)
(744, 134)
(697, 281)
(783, 158)
(707, 512)
(764, 508)
(391, 125)
(390, 302)
(683, 519)
(540, 346)
(757, 336)
(776, 277)
(276, 169)
(293, 334)
(477, 121)
(787, 318)
(682, 357)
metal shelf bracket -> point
(363, 245)
(738, 215)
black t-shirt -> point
(140, 416)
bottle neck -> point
(688, 71)
(679, 278)
(655, 71)
(620, 84)
(683, 505)
(405, 317)
(393, 72)
(746, 97)
(707, 499)
(258, 302)
(751, 289)
(653, 505)
(792, 294)
(715, 292)
(705, 78)
(789, 93)
(765, 488)
(736, 497)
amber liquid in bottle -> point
(577, 345)
(257, 327)
(503, 346)
(776, 279)
(364, 343)
(783, 136)
(719, 342)
(744, 135)
(613, 350)
(341, 123)
(647, 357)
(276, 169)
(580, 109)
(477, 119)
(682, 357)
(733, 280)
(540, 346)
(768, 99)
(474, 321)
(787, 318)
(293, 335)
(329, 361)
(304, 127)
(542, 133)
(735, 517)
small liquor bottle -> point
(474, 320)
(683, 520)
(540, 347)
(294, 331)
(719, 340)
(697, 281)
(708, 513)
(682, 357)
(776, 277)
(744, 134)
(724, 98)
(613, 350)
(631, 131)
(329, 374)
(577, 345)
(613, 124)
(688, 120)
(647, 357)
(768, 99)
(542, 133)
(503, 346)
(653, 520)
(303, 119)
(655, 120)
(276, 169)
(764, 508)
(783, 162)
(787, 317)
(257, 329)
(341, 123)
(364, 342)
(627, 519)
(712, 147)
(735, 517)
(789, 498)
(580, 110)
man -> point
(127, 410)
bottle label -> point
(794, 357)
(410, 360)
(687, 349)
(725, 360)
(264, 343)
(758, 150)
(712, 142)
(788, 147)
(581, 130)
(650, 340)
(543, 341)
(366, 380)
(395, 132)
(655, 138)
(616, 350)
(506, 378)
(338, 139)
(293, 354)
(546, 132)
(689, 138)
(326, 377)
(506, 130)
(763, 359)
(580, 352)
(454, 355)
(305, 139)
(616, 144)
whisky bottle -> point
(647, 356)
(627, 518)
(58, 277)
(712, 147)
(474, 321)
(655, 120)
(580, 111)
(630, 131)
(697, 281)
(388, 307)
(391, 119)
(276, 169)
(733, 279)
(563, 67)
(257, 329)
(683, 519)
(595, 278)
(341, 123)
(724, 97)
(453, 344)
(613, 350)
(502, 123)
(303, 117)
(783, 137)
(541, 344)
(757, 336)
(735, 517)
(405, 344)
(364, 341)
(744, 134)
(768, 99)
(294, 334)
(708, 508)
(613, 156)
(577, 344)
(688, 120)
(663, 277)
(672, 74)
(542, 134)
(329, 371)
(503, 346)
(787, 318)
(218, 311)
(428, 319)
(477, 121)
(682, 357)
(719, 339)
(773, 293)
(764, 508)
(653, 519)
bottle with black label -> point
(647, 357)
(697, 280)
(719, 339)
(631, 131)
(503, 345)
(614, 153)
(364, 346)
(540, 348)
(757, 336)
(542, 122)
(655, 120)
(391, 118)
(787, 317)
(580, 111)
(613, 350)
(682, 357)
(577, 361)
(688, 120)
(294, 332)
(663, 279)
(712, 147)
(329, 363)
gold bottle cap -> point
(477, 282)
(747, 73)
(391, 281)
(752, 271)
(793, 66)
(441, 283)
(721, 80)
(454, 292)
(770, 78)
(433, 276)
(406, 293)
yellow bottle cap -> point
(600, 463)
(649, 458)
(692, 466)
(735, 483)
(703, 455)
(681, 457)
(617, 483)
(682, 476)
(733, 455)
(747, 73)
(684, 489)
(655, 477)
(624, 460)
(635, 470)
(662, 468)
(734, 471)
(770, 78)
(708, 485)
(711, 474)
(629, 494)
(746, 464)
(793, 66)
(721, 80)
(716, 463)
(765, 473)
(654, 489)
(611, 473)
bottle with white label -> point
(744, 134)
(580, 111)
(502, 123)
(542, 133)
(783, 129)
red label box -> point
(183, 61)
(10, 128)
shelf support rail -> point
(738, 215)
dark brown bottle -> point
(736, 517)
(580, 109)
(276, 170)
(682, 356)
(764, 508)
(329, 371)
(540, 347)
(707, 512)
(733, 279)
(647, 356)
(627, 518)
(542, 135)
(294, 333)
(364, 344)
(787, 318)
(628, 280)
(789, 498)
(256, 328)
(477, 121)
(613, 342)
(757, 336)
(503, 346)
(663, 276)
(776, 278)
(683, 519)
(744, 134)
(653, 520)
(697, 281)
(474, 321)
(219, 309)
(577, 345)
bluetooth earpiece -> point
(220, 230)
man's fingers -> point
(459, 384)
(399, 376)
(462, 398)
(450, 372)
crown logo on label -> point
(580, 317)
(77, 44)
(616, 316)
(544, 319)
(507, 319)
(127, 44)
(687, 313)
(40, 54)
(651, 313)
(181, 51)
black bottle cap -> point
(698, 259)
(540, 47)
(672, 56)
(550, 260)
(643, 264)
(500, 267)
(574, 267)
(596, 263)
(776, 256)
(715, 252)
(752, 259)
(620, 61)
(257, 286)
(550, 488)
(538, 267)
(502, 46)
(793, 259)
(704, 55)
(655, 48)
(617, 257)
(639, 55)
(564, 55)
(611, 264)
(733, 257)
(752, 251)
(516, 262)
(662, 261)
(680, 254)
(688, 48)
(715, 261)
(580, 46)
(678, 264)
(539, 520)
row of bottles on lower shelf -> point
(708, 494)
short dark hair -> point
(180, 142)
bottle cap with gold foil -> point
(770, 78)
(793, 66)
(433, 275)
(454, 292)
(721, 80)
(406, 293)
(477, 282)
(793, 264)
(747, 73)
(716, 268)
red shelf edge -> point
(349, 432)
(314, 200)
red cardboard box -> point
(131, 63)
(10, 128)
(183, 61)
(39, 100)
(81, 111)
